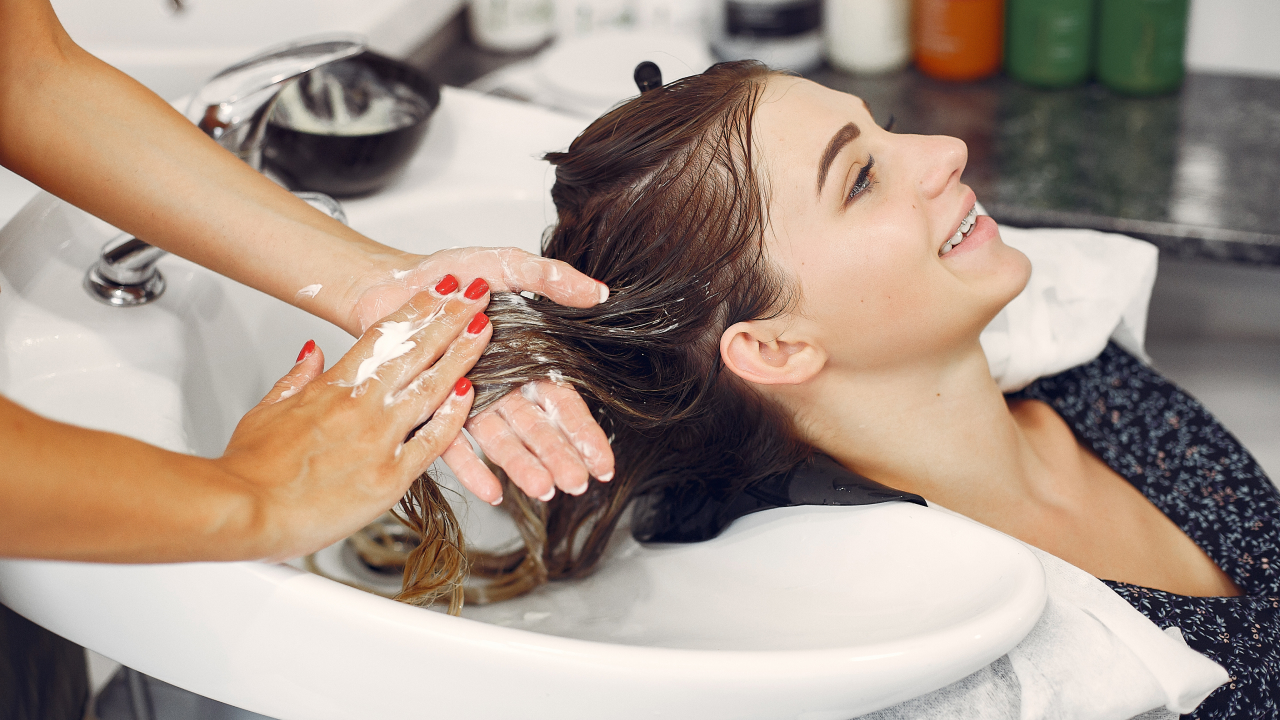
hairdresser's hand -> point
(325, 452)
(398, 277)
(544, 437)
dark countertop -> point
(1197, 173)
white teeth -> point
(966, 225)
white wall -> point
(1237, 36)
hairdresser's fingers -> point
(472, 473)
(570, 413)
(388, 339)
(540, 434)
(420, 397)
(558, 281)
(507, 450)
(397, 349)
(308, 367)
(417, 454)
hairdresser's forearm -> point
(96, 138)
(67, 493)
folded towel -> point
(1086, 287)
(1091, 655)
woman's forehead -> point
(794, 101)
(794, 124)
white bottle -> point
(511, 25)
(867, 36)
(783, 34)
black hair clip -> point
(647, 76)
(820, 480)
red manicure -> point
(477, 289)
(477, 323)
(462, 387)
(307, 349)
(447, 285)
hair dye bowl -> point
(349, 128)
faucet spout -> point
(232, 108)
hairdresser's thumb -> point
(563, 284)
(308, 367)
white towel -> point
(1091, 655)
(1086, 287)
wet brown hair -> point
(659, 198)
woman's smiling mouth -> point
(962, 232)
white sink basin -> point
(818, 613)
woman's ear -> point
(755, 352)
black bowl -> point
(345, 165)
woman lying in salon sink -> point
(791, 279)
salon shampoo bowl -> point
(812, 612)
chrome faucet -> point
(232, 108)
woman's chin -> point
(1013, 274)
(1001, 271)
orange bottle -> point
(958, 39)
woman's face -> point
(861, 216)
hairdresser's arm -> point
(96, 138)
(322, 455)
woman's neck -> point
(942, 430)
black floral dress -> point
(1181, 458)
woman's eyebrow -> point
(843, 136)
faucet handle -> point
(232, 106)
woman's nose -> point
(942, 161)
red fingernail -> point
(307, 349)
(477, 289)
(462, 387)
(477, 323)
(447, 285)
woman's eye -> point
(863, 182)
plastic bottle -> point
(784, 34)
(867, 36)
(1049, 42)
(958, 39)
(1141, 44)
(511, 25)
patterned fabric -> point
(1172, 450)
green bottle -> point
(1140, 45)
(1049, 42)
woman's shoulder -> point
(1174, 451)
